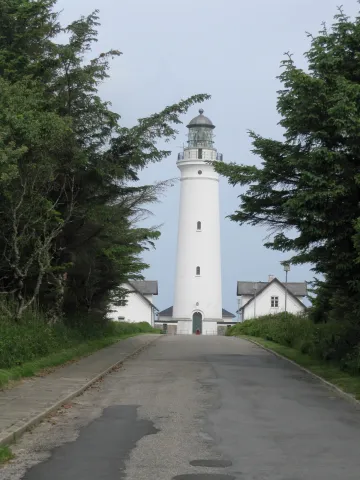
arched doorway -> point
(197, 322)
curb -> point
(331, 386)
(13, 436)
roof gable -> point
(145, 287)
(299, 289)
(168, 312)
(265, 286)
(226, 314)
(142, 295)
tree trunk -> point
(56, 312)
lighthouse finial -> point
(201, 111)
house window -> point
(274, 302)
(198, 226)
(200, 153)
(197, 271)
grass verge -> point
(5, 455)
(326, 370)
(41, 365)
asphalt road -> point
(197, 408)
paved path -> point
(197, 408)
(31, 397)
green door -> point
(197, 322)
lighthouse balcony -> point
(207, 155)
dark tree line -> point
(307, 189)
(69, 210)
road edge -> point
(331, 386)
(12, 437)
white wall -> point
(185, 327)
(136, 310)
(209, 328)
(199, 201)
(242, 300)
(263, 303)
(166, 319)
(245, 299)
(153, 313)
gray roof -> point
(146, 287)
(299, 289)
(168, 312)
(201, 121)
(226, 314)
(264, 285)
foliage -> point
(70, 202)
(27, 28)
(307, 189)
(5, 455)
(35, 338)
(332, 342)
(34, 140)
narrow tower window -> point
(197, 271)
(198, 226)
(200, 153)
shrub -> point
(33, 338)
(351, 362)
(335, 342)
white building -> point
(256, 299)
(139, 306)
(198, 296)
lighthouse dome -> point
(201, 121)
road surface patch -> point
(211, 463)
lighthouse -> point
(198, 295)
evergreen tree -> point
(79, 161)
(307, 188)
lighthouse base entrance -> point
(197, 323)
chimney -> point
(271, 278)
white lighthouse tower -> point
(198, 295)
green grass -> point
(336, 343)
(35, 353)
(326, 370)
(5, 455)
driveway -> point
(197, 408)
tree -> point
(307, 188)
(33, 141)
(111, 156)
(72, 235)
(27, 28)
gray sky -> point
(230, 49)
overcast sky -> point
(231, 49)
